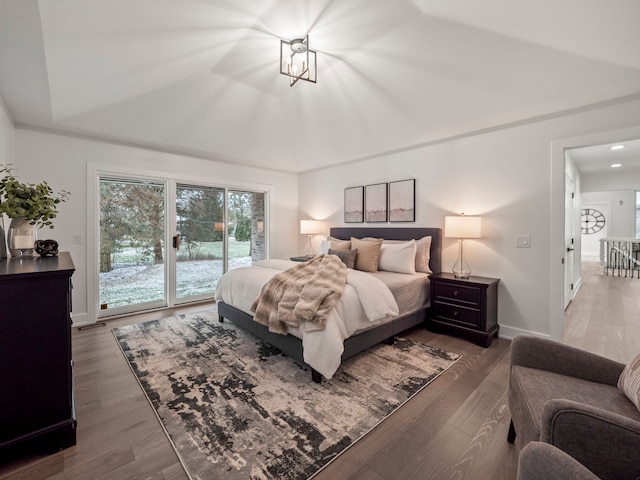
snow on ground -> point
(134, 284)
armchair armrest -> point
(544, 354)
(605, 442)
(541, 461)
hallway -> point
(604, 316)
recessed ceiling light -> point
(616, 165)
(617, 147)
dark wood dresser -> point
(466, 306)
(36, 377)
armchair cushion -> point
(544, 354)
(629, 381)
(540, 386)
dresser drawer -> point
(458, 314)
(457, 293)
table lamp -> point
(462, 227)
(310, 228)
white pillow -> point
(423, 253)
(398, 257)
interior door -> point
(569, 236)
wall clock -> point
(592, 221)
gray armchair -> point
(569, 398)
(541, 461)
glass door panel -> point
(246, 228)
(200, 254)
(132, 250)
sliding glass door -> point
(199, 241)
(148, 261)
(132, 245)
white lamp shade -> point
(310, 227)
(463, 227)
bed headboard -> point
(435, 260)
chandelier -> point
(297, 60)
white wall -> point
(514, 178)
(622, 180)
(7, 135)
(621, 219)
(63, 161)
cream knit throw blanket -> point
(303, 293)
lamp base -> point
(461, 275)
(461, 268)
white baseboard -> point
(511, 332)
(80, 319)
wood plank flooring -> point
(604, 317)
(455, 428)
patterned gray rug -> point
(236, 408)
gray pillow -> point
(348, 257)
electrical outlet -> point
(77, 239)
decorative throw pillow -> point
(337, 244)
(368, 253)
(348, 257)
(629, 381)
(423, 255)
(398, 257)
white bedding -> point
(366, 302)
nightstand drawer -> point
(457, 314)
(457, 293)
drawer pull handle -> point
(455, 293)
(455, 313)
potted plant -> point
(29, 206)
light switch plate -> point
(523, 241)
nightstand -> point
(468, 306)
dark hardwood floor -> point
(456, 428)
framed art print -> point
(375, 203)
(402, 201)
(354, 205)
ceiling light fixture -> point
(617, 147)
(616, 165)
(298, 61)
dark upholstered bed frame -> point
(292, 346)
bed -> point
(363, 338)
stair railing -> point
(620, 256)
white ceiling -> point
(597, 159)
(201, 77)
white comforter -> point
(366, 301)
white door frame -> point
(556, 273)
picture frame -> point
(375, 203)
(354, 205)
(402, 201)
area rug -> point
(237, 408)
